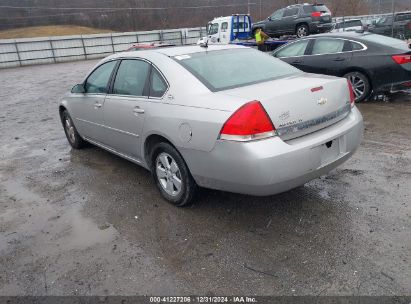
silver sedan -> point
(223, 117)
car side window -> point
(98, 80)
(403, 17)
(293, 50)
(158, 86)
(356, 46)
(291, 12)
(224, 26)
(131, 77)
(213, 29)
(328, 46)
(277, 14)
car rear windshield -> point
(227, 69)
(315, 8)
(387, 41)
(349, 23)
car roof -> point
(178, 50)
(353, 34)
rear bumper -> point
(272, 166)
(395, 87)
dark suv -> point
(401, 27)
(300, 19)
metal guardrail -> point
(27, 51)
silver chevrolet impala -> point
(223, 117)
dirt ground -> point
(90, 223)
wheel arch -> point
(302, 23)
(359, 70)
(150, 141)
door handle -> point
(296, 62)
(339, 59)
(97, 105)
(137, 110)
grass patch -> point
(50, 30)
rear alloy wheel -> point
(301, 31)
(360, 84)
(72, 135)
(172, 176)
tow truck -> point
(237, 29)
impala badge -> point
(322, 101)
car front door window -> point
(97, 82)
(277, 15)
(293, 50)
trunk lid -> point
(302, 104)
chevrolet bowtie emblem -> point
(322, 101)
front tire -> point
(360, 85)
(72, 135)
(172, 176)
(302, 31)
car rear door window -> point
(327, 46)
(131, 78)
(97, 82)
(294, 50)
(158, 86)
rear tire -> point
(70, 130)
(360, 84)
(302, 30)
(172, 176)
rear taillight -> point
(402, 59)
(250, 122)
(316, 14)
(352, 95)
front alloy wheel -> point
(72, 135)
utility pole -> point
(248, 6)
(393, 12)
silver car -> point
(223, 117)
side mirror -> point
(269, 18)
(78, 88)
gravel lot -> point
(90, 223)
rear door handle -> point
(296, 62)
(97, 105)
(339, 59)
(137, 110)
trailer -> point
(237, 29)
